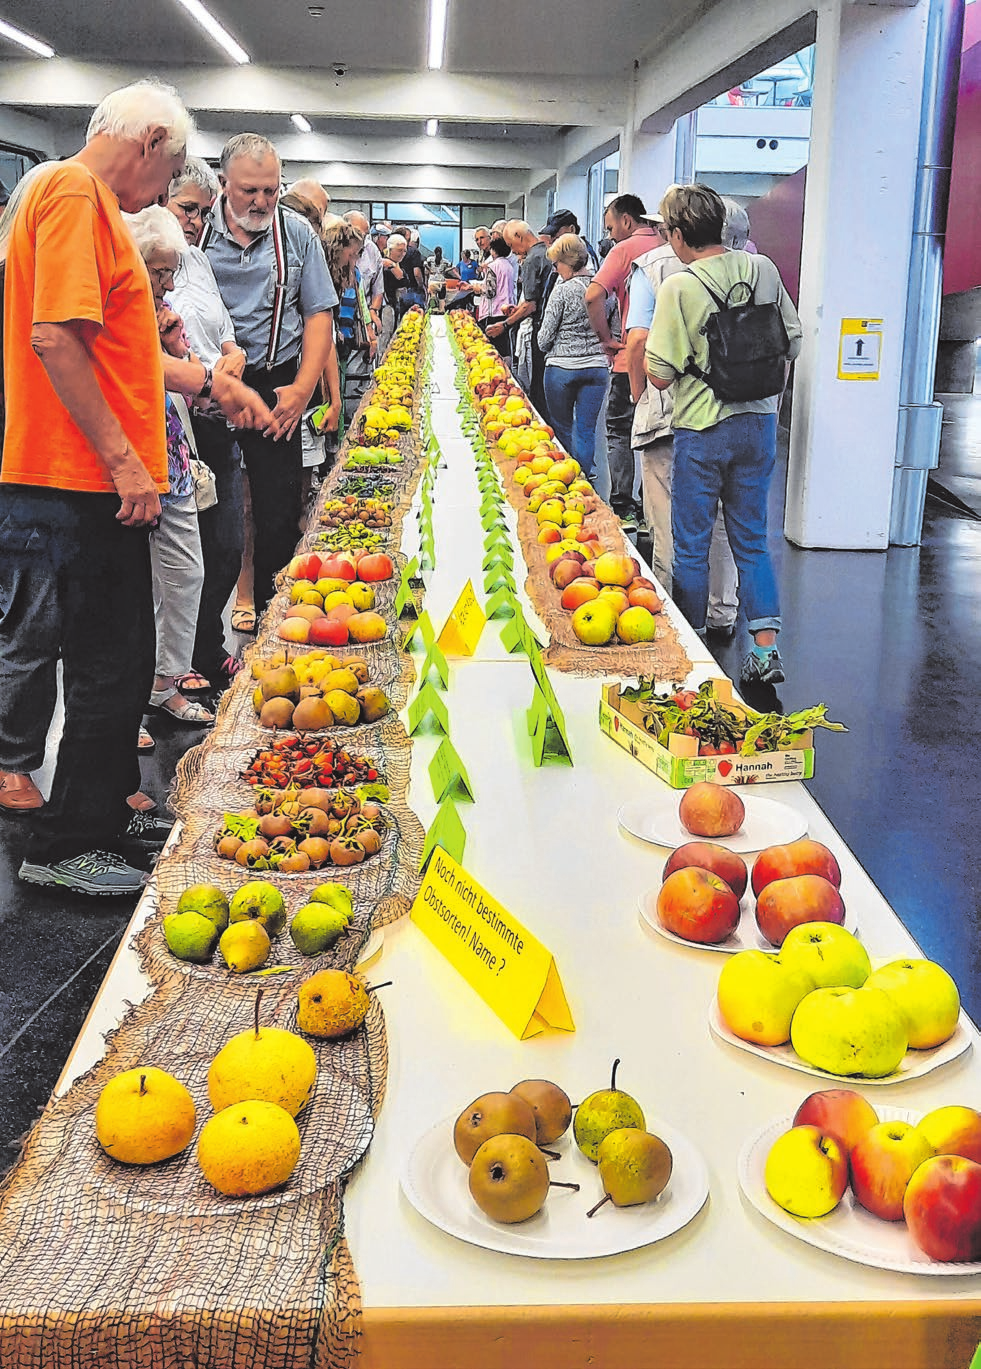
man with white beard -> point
(273, 277)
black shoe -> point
(148, 828)
(721, 632)
(99, 873)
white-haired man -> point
(535, 278)
(311, 189)
(84, 464)
(272, 274)
(372, 273)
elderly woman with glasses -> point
(175, 543)
(209, 330)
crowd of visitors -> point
(183, 349)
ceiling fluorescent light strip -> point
(437, 33)
(302, 123)
(211, 26)
(25, 40)
(432, 128)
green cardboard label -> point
(435, 660)
(423, 626)
(404, 601)
(446, 832)
(427, 702)
(501, 604)
(447, 771)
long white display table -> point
(729, 1290)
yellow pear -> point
(332, 1003)
(634, 1167)
(263, 1063)
(143, 1116)
(248, 1148)
(245, 946)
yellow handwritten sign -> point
(462, 629)
(500, 959)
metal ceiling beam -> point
(505, 154)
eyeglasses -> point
(163, 275)
(190, 211)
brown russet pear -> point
(276, 713)
(312, 714)
(280, 683)
(551, 1106)
(634, 1167)
(508, 1178)
(374, 703)
(491, 1115)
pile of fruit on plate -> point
(242, 928)
(315, 692)
(292, 762)
(926, 1173)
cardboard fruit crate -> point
(679, 763)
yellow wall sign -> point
(860, 349)
(509, 968)
(462, 629)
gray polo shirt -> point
(246, 279)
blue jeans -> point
(574, 401)
(733, 462)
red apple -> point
(340, 613)
(328, 632)
(308, 611)
(711, 810)
(841, 1112)
(338, 568)
(953, 1130)
(787, 903)
(567, 555)
(639, 582)
(564, 572)
(579, 592)
(882, 1164)
(698, 906)
(942, 1208)
(706, 855)
(304, 567)
(587, 572)
(644, 598)
(374, 566)
(804, 857)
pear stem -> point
(550, 1154)
(613, 1075)
(258, 1000)
(142, 1085)
(593, 1210)
(373, 988)
(557, 1183)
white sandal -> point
(191, 712)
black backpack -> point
(747, 344)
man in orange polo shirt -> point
(84, 463)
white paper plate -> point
(850, 1231)
(435, 1183)
(914, 1063)
(372, 946)
(746, 937)
(768, 822)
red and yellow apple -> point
(842, 1113)
(882, 1163)
(698, 906)
(578, 592)
(788, 903)
(711, 810)
(709, 856)
(942, 1207)
(612, 569)
(953, 1130)
(804, 857)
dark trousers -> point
(537, 391)
(620, 454)
(503, 341)
(222, 536)
(74, 580)
(275, 473)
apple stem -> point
(593, 1210)
(373, 988)
(142, 1085)
(550, 1154)
(258, 1000)
(613, 1075)
(557, 1183)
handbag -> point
(205, 487)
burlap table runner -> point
(105, 1266)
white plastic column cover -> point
(858, 210)
(647, 165)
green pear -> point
(259, 900)
(245, 946)
(264, 1063)
(335, 896)
(316, 927)
(190, 936)
(634, 1167)
(602, 1112)
(208, 900)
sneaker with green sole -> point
(767, 670)
(99, 873)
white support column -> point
(647, 164)
(856, 248)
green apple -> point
(850, 1031)
(594, 623)
(758, 994)
(832, 957)
(926, 996)
(806, 1172)
(636, 625)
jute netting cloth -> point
(109, 1266)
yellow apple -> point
(806, 1172)
(926, 996)
(758, 995)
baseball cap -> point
(381, 230)
(652, 218)
(559, 217)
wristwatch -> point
(209, 380)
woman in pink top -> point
(500, 291)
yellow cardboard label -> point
(462, 629)
(500, 959)
(860, 349)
